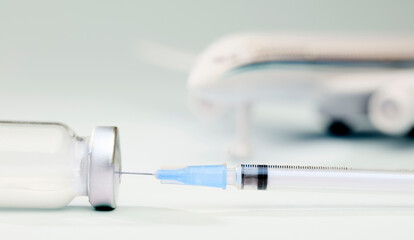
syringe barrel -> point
(263, 177)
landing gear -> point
(242, 147)
(339, 128)
(410, 134)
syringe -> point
(264, 177)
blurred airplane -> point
(360, 82)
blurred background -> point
(126, 63)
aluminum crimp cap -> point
(104, 168)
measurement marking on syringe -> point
(257, 175)
(295, 167)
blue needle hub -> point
(210, 176)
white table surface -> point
(88, 64)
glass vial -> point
(46, 165)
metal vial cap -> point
(104, 168)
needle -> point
(135, 173)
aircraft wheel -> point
(339, 128)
